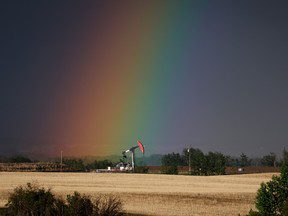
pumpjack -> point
(132, 150)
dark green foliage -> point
(285, 208)
(170, 163)
(285, 157)
(173, 159)
(241, 161)
(216, 163)
(284, 173)
(141, 169)
(272, 196)
(269, 160)
(198, 162)
(102, 205)
(170, 170)
(32, 200)
(19, 159)
(3, 211)
(102, 164)
(35, 201)
(213, 163)
(75, 164)
(253, 213)
(109, 206)
(80, 205)
(244, 160)
(267, 198)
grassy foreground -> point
(152, 194)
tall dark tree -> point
(197, 160)
(244, 160)
(216, 163)
(269, 160)
(173, 159)
(285, 157)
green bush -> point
(141, 169)
(80, 205)
(109, 206)
(272, 196)
(253, 213)
(74, 164)
(101, 206)
(35, 201)
(32, 200)
(285, 208)
(170, 170)
(3, 211)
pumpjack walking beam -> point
(132, 150)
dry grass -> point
(152, 194)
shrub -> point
(103, 205)
(75, 164)
(35, 201)
(272, 196)
(253, 213)
(3, 211)
(80, 205)
(141, 169)
(285, 209)
(171, 170)
(32, 200)
(109, 206)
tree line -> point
(211, 163)
(76, 164)
(214, 163)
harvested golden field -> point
(152, 194)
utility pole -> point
(189, 156)
(133, 160)
(284, 154)
(61, 158)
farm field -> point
(152, 194)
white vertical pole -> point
(189, 161)
(133, 160)
(61, 159)
(61, 156)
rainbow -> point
(124, 74)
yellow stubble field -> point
(151, 194)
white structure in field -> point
(132, 150)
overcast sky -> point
(228, 92)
